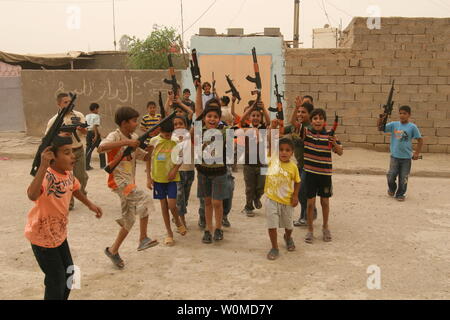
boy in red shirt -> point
(51, 190)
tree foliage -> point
(152, 52)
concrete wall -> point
(354, 80)
(110, 88)
(11, 107)
(225, 48)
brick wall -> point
(354, 80)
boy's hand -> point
(274, 124)
(197, 83)
(298, 101)
(47, 156)
(233, 99)
(132, 143)
(98, 211)
(294, 200)
(260, 104)
(172, 174)
(333, 140)
(150, 183)
(415, 156)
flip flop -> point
(147, 243)
(326, 235)
(169, 241)
(273, 254)
(309, 237)
(115, 258)
(289, 243)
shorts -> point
(164, 190)
(134, 201)
(279, 215)
(318, 185)
(215, 187)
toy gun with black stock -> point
(195, 68)
(54, 130)
(233, 89)
(257, 79)
(387, 109)
(72, 128)
(161, 105)
(127, 152)
(279, 108)
(173, 79)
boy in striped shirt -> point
(150, 119)
(318, 167)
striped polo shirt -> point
(318, 153)
(149, 121)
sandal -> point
(115, 258)
(289, 243)
(181, 229)
(309, 237)
(326, 235)
(147, 243)
(169, 241)
(273, 254)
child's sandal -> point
(169, 241)
(290, 245)
(182, 229)
(326, 235)
(309, 237)
(273, 254)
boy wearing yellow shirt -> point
(281, 189)
(162, 177)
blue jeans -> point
(401, 168)
(227, 203)
(184, 190)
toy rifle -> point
(213, 88)
(279, 108)
(387, 108)
(334, 128)
(55, 129)
(195, 68)
(173, 79)
(161, 105)
(113, 164)
(257, 79)
(233, 89)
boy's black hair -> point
(167, 127)
(319, 112)
(209, 108)
(60, 96)
(309, 97)
(59, 141)
(151, 103)
(186, 90)
(225, 100)
(182, 119)
(286, 141)
(308, 106)
(405, 108)
(125, 114)
(206, 83)
(94, 106)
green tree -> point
(151, 53)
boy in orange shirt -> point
(51, 191)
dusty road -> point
(409, 241)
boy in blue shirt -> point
(402, 132)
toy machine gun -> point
(195, 68)
(257, 79)
(279, 108)
(57, 127)
(387, 109)
(161, 105)
(334, 128)
(173, 79)
(113, 164)
(233, 89)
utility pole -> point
(296, 22)
(114, 26)
(182, 24)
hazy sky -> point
(49, 26)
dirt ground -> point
(409, 241)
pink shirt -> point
(47, 220)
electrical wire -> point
(201, 16)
